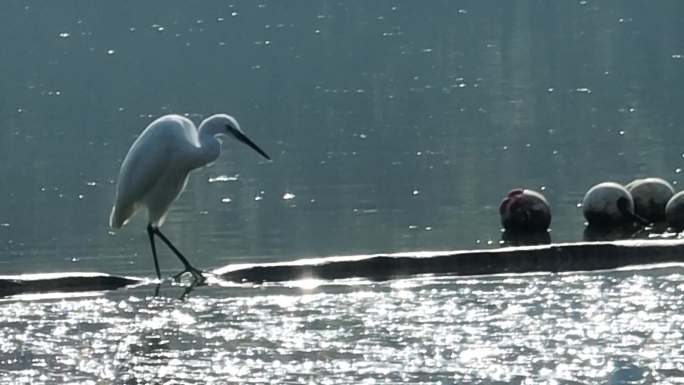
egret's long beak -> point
(244, 139)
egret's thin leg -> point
(188, 267)
(150, 233)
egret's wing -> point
(146, 162)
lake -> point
(393, 126)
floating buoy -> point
(525, 211)
(674, 211)
(609, 204)
(650, 196)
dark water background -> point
(393, 126)
(396, 125)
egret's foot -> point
(188, 289)
(198, 277)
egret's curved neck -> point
(211, 128)
(210, 147)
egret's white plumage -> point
(155, 170)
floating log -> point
(562, 257)
(62, 282)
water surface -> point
(393, 126)
(610, 328)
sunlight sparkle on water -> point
(223, 178)
(542, 328)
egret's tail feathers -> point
(120, 216)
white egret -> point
(155, 171)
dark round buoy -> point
(650, 196)
(608, 204)
(525, 211)
(674, 211)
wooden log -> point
(62, 282)
(584, 256)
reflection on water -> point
(615, 328)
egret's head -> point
(222, 124)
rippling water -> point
(394, 126)
(614, 328)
